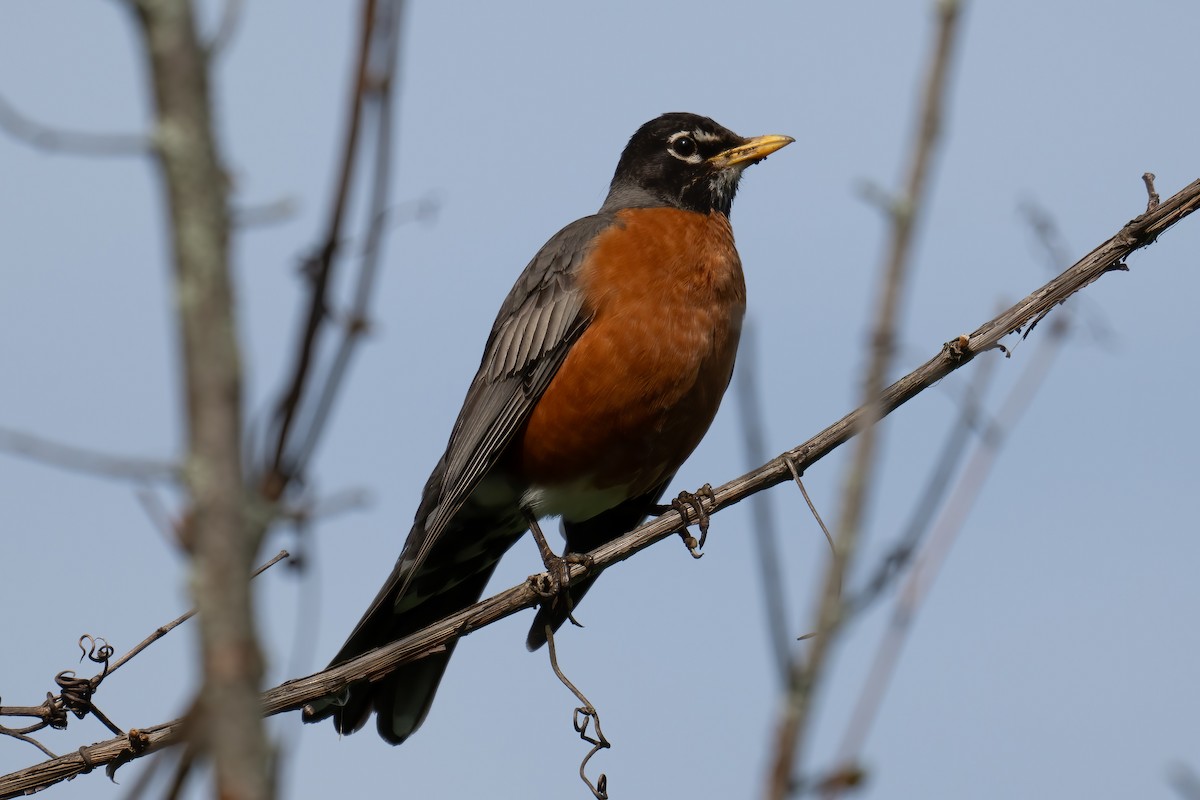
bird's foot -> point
(554, 584)
(693, 501)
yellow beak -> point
(751, 151)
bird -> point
(603, 370)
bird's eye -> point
(683, 146)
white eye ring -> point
(683, 146)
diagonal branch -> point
(1109, 256)
(82, 459)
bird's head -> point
(685, 161)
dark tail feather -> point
(402, 700)
(585, 536)
(452, 577)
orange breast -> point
(642, 384)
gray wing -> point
(538, 322)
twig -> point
(887, 656)
(935, 549)
(381, 82)
(954, 355)
(319, 270)
(259, 216)
(1152, 198)
(940, 479)
(156, 511)
(76, 693)
(17, 733)
(163, 630)
(793, 719)
(812, 508)
(1056, 253)
(80, 459)
(58, 140)
(231, 16)
(305, 511)
(766, 529)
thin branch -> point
(231, 17)
(80, 459)
(76, 693)
(22, 735)
(766, 527)
(383, 79)
(936, 486)
(1056, 253)
(163, 630)
(992, 435)
(264, 214)
(794, 718)
(319, 270)
(292, 695)
(59, 140)
(937, 547)
(812, 507)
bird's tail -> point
(451, 577)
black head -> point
(685, 161)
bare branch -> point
(76, 693)
(937, 546)
(231, 17)
(163, 630)
(79, 459)
(218, 530)
(954, 355)
(58, 140)
(385, 52)
(766, 529)
(936, 485)
(319, 268)
(789, 742)
(259, 216)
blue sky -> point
(1056, 654)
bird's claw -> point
(555, 581)
(694, 501)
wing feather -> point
(538, 322)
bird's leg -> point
(558, 568)
(694, 501)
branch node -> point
(958, 348)
(1153, 200)
(139, 740)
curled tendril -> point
(98, 650)
(585, 716)
(76, 693)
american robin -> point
(603, 370)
